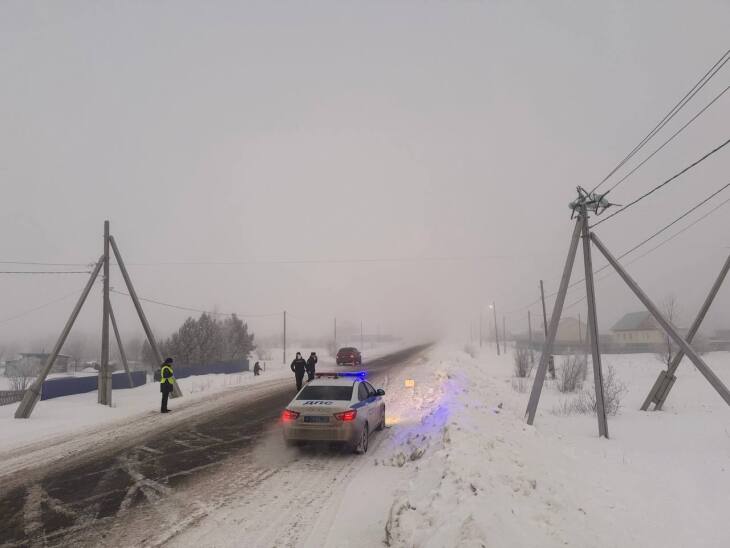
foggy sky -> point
(275, 132)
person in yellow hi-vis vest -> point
(167, 380)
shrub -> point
(572, 373)
(469, 349)
(523, 365)
(585, 402)
(613, 391)
(520, 385)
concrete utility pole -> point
(284, 341)
(122, 354)
(668, 328)
(335, 345)
(104, 385)
(665, 381)
(504, 334)
(176, 391)
(529, 337)
(361, 339)
(496, 332)
(593, 326)
(547, 349)
(33, 393)
(551, 362)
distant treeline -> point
(205, 340)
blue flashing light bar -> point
(358, 374)
(336, 374)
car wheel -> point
(381, 425)
(362, 446)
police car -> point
(335, 407)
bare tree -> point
(669, 349)
(522, 367)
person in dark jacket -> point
(256, 369)
(167, 381)
(298, 366)
(311, 362)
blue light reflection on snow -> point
(435, 419)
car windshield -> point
(347, 350)
(326, 393)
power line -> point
(675, 221)
(660, 244)
(647, 240)
(190, 309)
(35, 263)
(331, 261)
(663, 184)
(45, 272)
(673, 112)
(40, 307)
(665, 143)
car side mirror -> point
(380, 392)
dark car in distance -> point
(348, 355)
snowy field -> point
(459, 467)
(485, 478)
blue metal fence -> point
(66, 386)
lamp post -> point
(496, 331)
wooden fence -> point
(10, 396)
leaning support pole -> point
(176, 392)
(668, 328)
(593, 330)
(547, 348)
(122, 354)
(660, 391)
(33, 393)
(104, 385)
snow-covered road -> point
(84, 489)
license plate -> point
(316, 419)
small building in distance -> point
(637, 329)
(571, 332)
(720, 340)
(29, 364)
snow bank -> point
(474, 474)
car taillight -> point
(346, 416)
(288, 415)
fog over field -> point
(403, 164)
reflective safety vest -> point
(163, 380)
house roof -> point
(636, 321)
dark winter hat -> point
(168, 360)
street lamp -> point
(496, 332)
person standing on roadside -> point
(298, 366)
(167, 381)
(311, 363)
